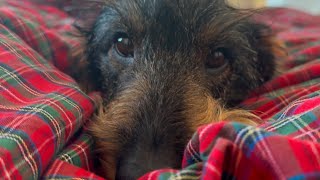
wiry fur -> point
(154, 104)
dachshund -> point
(166, 67)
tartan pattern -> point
(42, 111)
(235, 151)
(41, 108)
(287, 145)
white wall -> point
(312, 6)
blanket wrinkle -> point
(43, 112)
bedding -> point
(43, 113)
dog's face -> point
(162, 66)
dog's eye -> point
(216, 60)
(124, 47)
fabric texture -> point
(43, 111)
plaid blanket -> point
(43, 111)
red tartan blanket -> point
(42, 111)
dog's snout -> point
(134, 171)
(134, 166)
(128, 172)
(164, 68)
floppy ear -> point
(269, 49)
(85, 13)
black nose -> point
(132, 168)
(126, 177)
(131, 171)
(135, 171)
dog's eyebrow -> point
(130, 15)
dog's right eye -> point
(124, 47)
(216, 61)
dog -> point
(166, 67)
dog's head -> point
(163, 67)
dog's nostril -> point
(129, 172)
(126, 177)
(133, 168)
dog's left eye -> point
(216, 60)
(124, 47)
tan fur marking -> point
(203, 109)
(105, 127)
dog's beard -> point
(172, 40)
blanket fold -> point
(43, 111)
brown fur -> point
(119, 113)
(155, 101)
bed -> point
(43, 112)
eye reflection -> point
(124, 47)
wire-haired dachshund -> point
(166, 67)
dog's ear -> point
(85, 13)
(268, 48)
